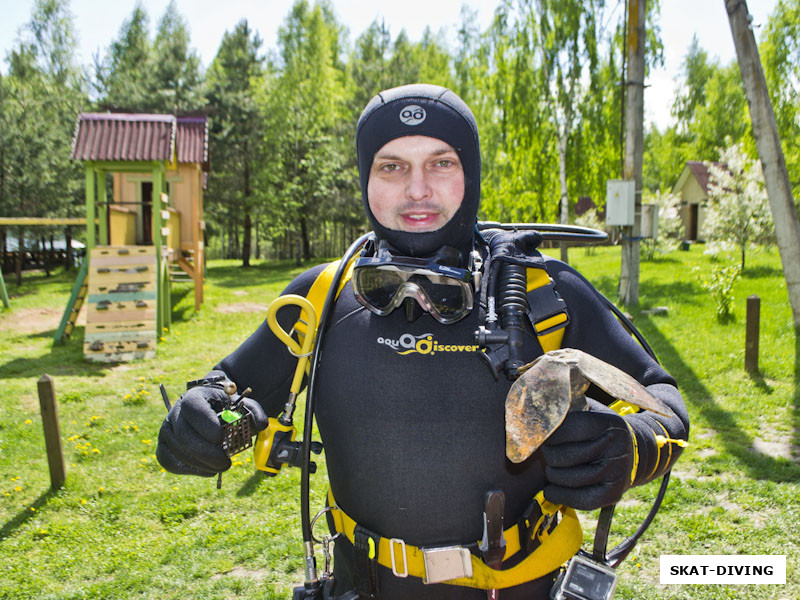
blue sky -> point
(99, 22)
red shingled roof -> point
(193, 140)
(122, 136)
(135, 137)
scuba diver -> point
(410, 403)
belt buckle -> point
(402, 545)
(446, 563)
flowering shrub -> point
(737, 202)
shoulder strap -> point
(319, 292)
(548, 312)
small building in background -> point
(692, 189)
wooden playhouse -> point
(143, 235)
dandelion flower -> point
(28, 421)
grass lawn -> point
(123, 528)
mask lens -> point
(378, 287)
(381, 285)
(447, 297)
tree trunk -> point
(246, 240)
(306, 243)
(47, 256)
(562, 180)
(67, 247)
(20, 246)
(634, 150)
(776, 176)
(298, 250)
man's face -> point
(416, 184)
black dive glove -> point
(190, 439)
(589, 459)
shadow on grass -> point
(64, 359)
(737, 443)
(687, 291)
(251, 485)
(263, 273)
(25, 515)
(181, 314)
(761, 272)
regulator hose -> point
(311, 579)
(513, 291)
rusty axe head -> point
(552, 385)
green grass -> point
(123, 528)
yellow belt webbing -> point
(556, 549)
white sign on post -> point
(620, 200)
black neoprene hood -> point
(433, 111)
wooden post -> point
(751, 335)
(102, 209)
(52, 434)
(90, 212)
(158, 243)
(634, 149)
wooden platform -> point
(121, 307)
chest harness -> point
(547, 535)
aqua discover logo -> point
(424, 344)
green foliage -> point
(309, 176)
(720, 286)
(232, 82)
(160, 75)
(39, 100)
(544, 81)
(780, 55)
(123, 77)
(176, 67)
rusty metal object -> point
(555, 383)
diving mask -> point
(381, 284)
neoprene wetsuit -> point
(412, 420)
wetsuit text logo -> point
(424, 344)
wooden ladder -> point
(76, 299)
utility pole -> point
(634, 149)
(765, 130)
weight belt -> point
(403, 559)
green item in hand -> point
(230, 416)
